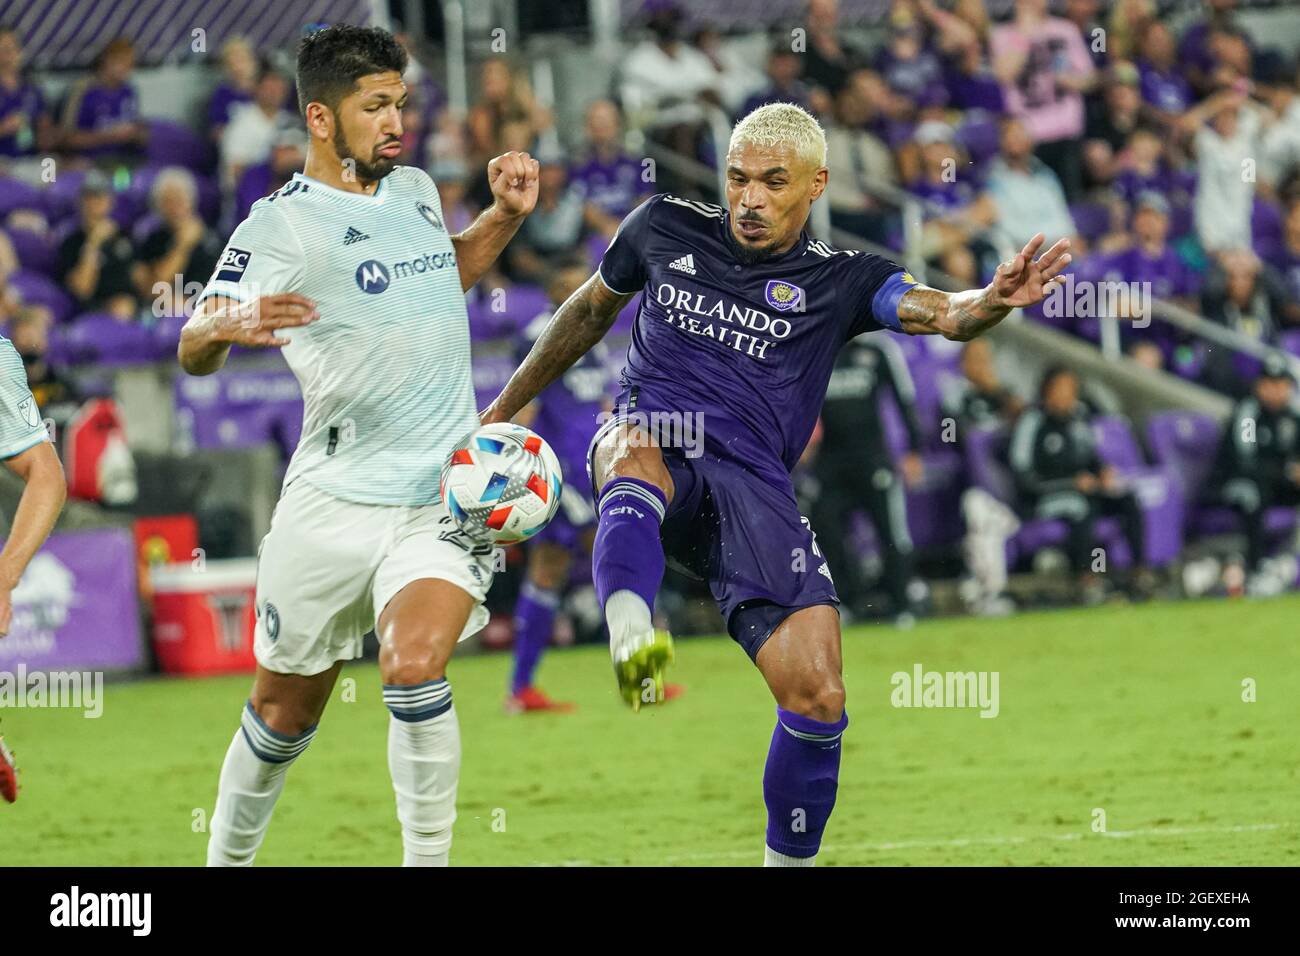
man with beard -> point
(350, 269)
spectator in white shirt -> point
(1028, 196)
(1225, 130)
(252, 129)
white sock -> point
(252, 777)
(628, 618)
(772, 858)
(424, 761)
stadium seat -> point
(172, 144)
(105, 340)
(37, 289)
(1159, 495)
(36, 251)
(16, 194)
(60, 196)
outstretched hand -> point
(1023, 280)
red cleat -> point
(673, 691)
(8, 774)
(531, 699)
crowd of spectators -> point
(1167, 150)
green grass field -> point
(1135, 711)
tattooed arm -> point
(1018, 282)
(577, 325)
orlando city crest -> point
(784, 296)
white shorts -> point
(327, 568)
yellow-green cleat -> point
(640, 671)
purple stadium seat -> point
(15, 194)
(37, 289)
(1160, 496)
(171, 144)
(102, 339)
(1115, 442)
(35, 251)
(61, 195)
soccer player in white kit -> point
(349, 269)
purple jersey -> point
(1288, 264)
(950, 197)
(99, 107)
(614, 186)
(748, 348)
(26, 98)
(570, 405)
(1165, 91)
(1168, 274)
(224, 99)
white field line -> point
(757, 855)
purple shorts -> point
(744, 536)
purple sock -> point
(534, 622)
(800, 780)
(628, 555)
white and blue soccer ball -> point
(502, 483)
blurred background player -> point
(565, 414)
(1258, 467)
(741, 317)
(346, 553)
(855, 470)
(1054, 459)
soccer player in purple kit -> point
(739, 325)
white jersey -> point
(385, 370)
(21, 426)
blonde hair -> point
(778, 124)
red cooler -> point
(204, 615)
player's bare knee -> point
(284, 716)
(821, 698)
(405, 663)
(632, 453)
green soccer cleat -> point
(640, 669)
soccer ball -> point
(502, 483)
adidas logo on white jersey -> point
(685, 264)
(353, 235)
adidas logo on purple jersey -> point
(685, 264)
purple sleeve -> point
(623, 267)
(875, 286)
